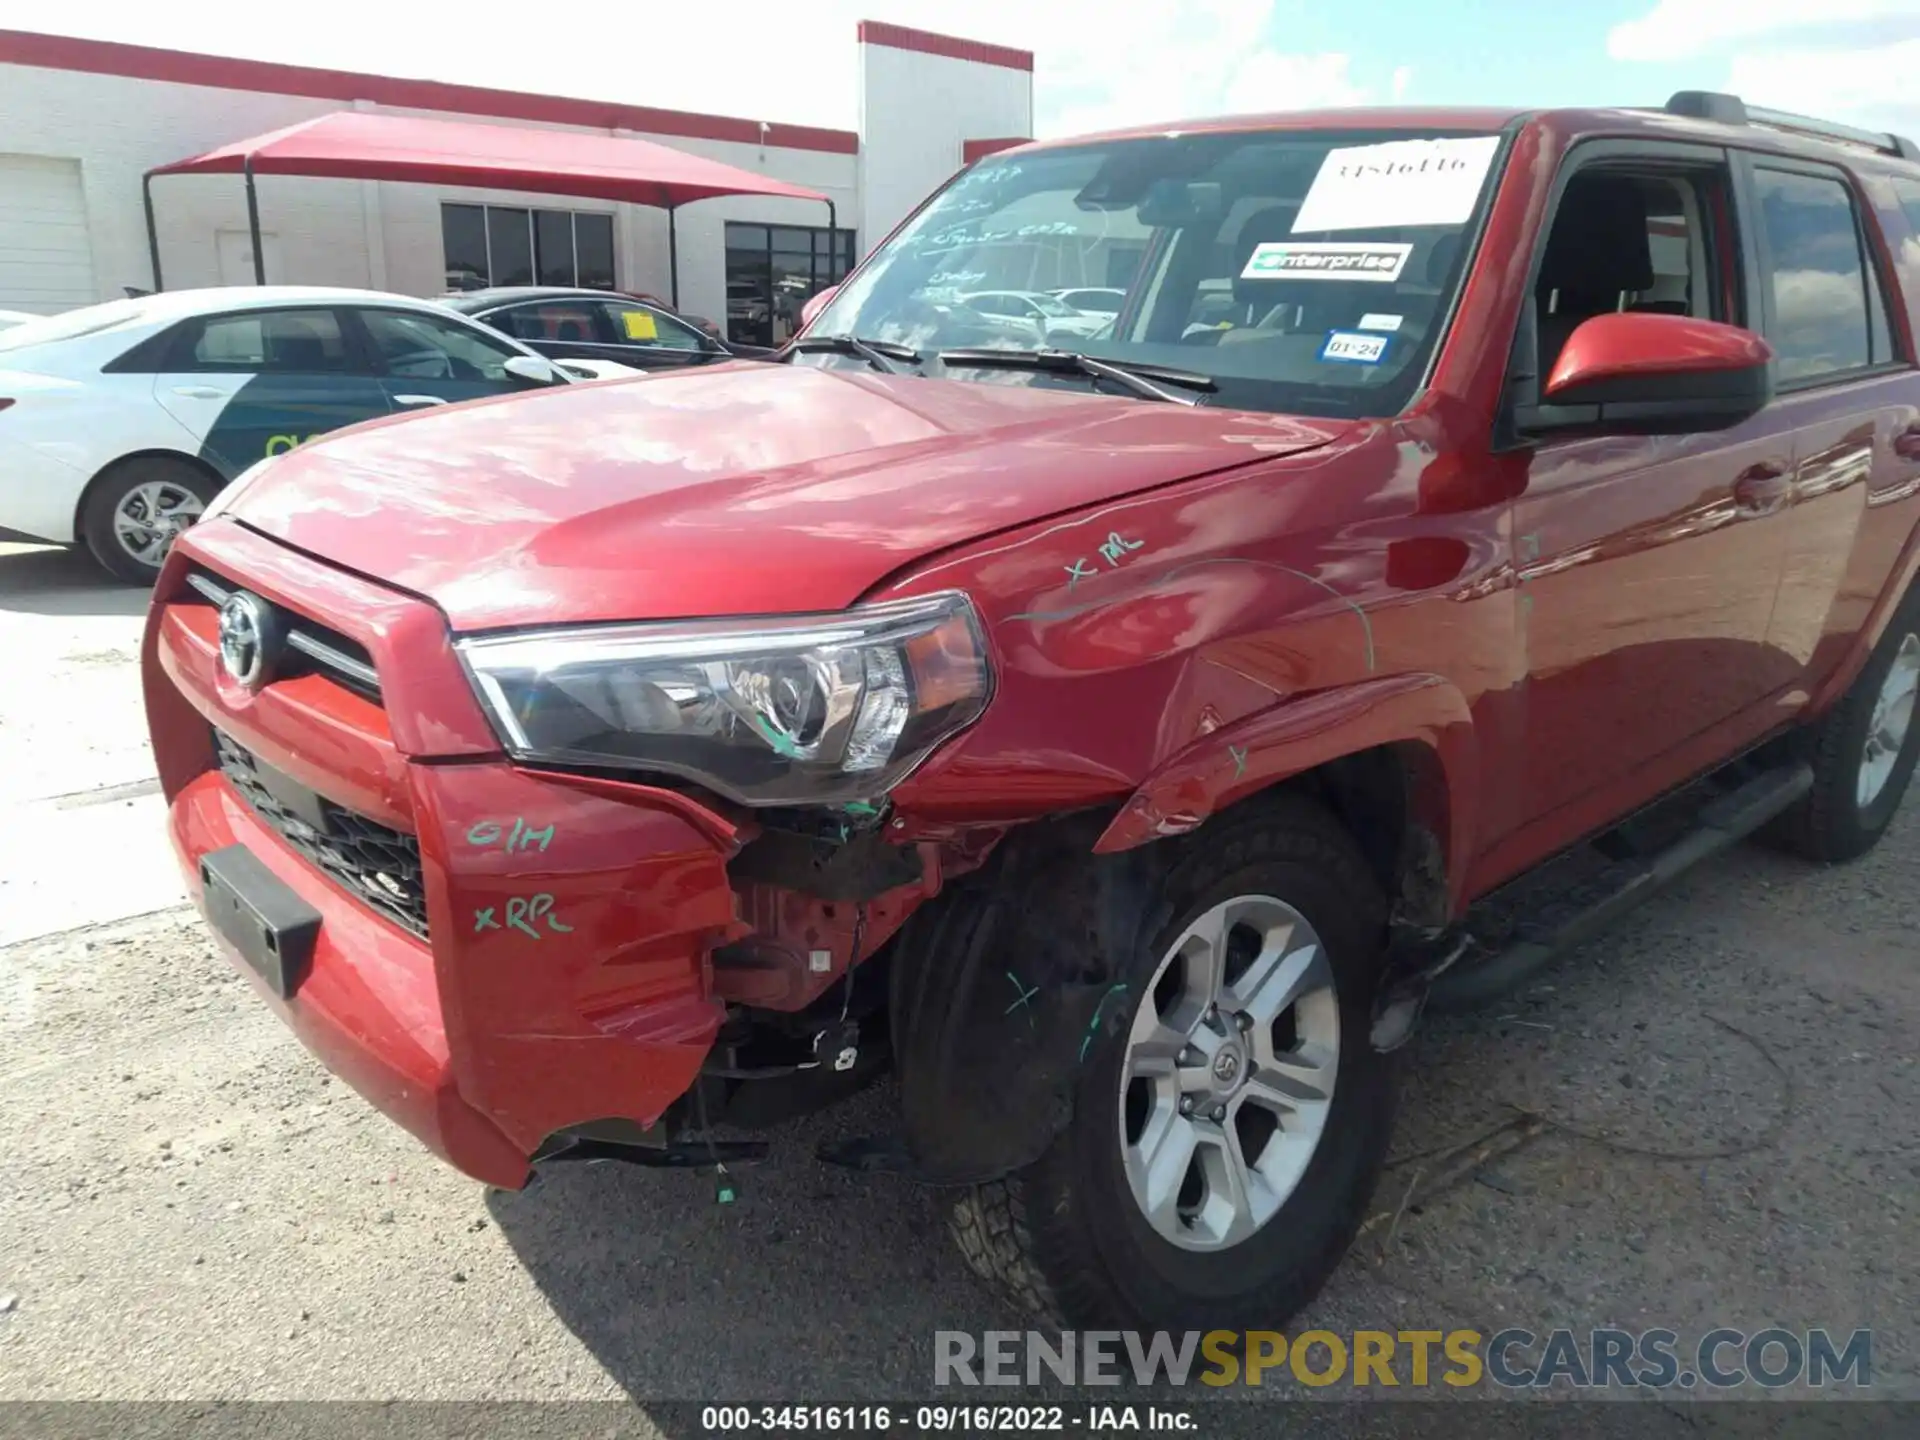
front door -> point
(254, 383)
(1647, 566)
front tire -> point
(136, 509)
(1862, 752)
(1225, 1144)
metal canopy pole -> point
(253, 224)
(153, 233)
(673, 257)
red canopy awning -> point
(359, 146)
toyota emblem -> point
(247, 639)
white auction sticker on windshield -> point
(1403, 182)
(1289, 260)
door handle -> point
(200, 392)
(1762, 489)
(414, 402)
(1907, 443)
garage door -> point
(46, 256)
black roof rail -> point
(1708, 105)
(1726, 109)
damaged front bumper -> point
(539, 956)
(498, 1034)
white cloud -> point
(1100, 65)
(1846, 60)
(1873, 87)
(1682, 29)
(1097, 64)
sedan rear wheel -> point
(135, 511)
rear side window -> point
(1908, 195)
(553, 320)
(637, 325)
(1829, 316)
(283, 341)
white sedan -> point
(1034, 316)
(119, 422)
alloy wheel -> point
(1229, 1073)
(1890, 723)
(151, 516)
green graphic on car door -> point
(271, 414)
(259, 383)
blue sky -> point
(1099, 61)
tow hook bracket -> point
(878, 1155)
(838, 1046)
(631, 1144)
(682, 1155)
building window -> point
(507, 245)
(772, 270)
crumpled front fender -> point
(1261, 750)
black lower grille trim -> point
(379, 866)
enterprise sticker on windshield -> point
(1350, 347)
(1291, 260)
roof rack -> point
(1732, 110)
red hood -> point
(748, 489)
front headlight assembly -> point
(804, 710)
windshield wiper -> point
(880, 354)
(1137, 378)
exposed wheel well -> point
(107, 470)
(1393, 801)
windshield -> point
(1303, 271)
(71, 324)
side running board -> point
(1533, 943)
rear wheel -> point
(1862, 752)
(135, 510)
(1225, 1144)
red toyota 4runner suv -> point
(1119, 732)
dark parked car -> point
(565, 324)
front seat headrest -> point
(1599, 245)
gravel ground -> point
(193, 1209)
